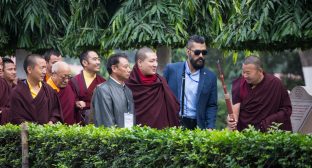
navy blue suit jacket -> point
(207, 95)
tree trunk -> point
(164, 57)
(24, 137)
(306, 61)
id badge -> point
(128, 120)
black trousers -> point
(188, 123)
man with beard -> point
(195, 86)
(112, 101)
(84, 84)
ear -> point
(29, 69)
(261, 70)
(84, 63)
(140, 63)
(114, 68)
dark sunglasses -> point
(197, 52)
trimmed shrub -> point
(74, 146)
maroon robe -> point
(82, 93)
(43, 108)
(268, 102)
(67, 100)
(154, 104)
(5, 93)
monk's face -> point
(53, 59)
(122, 69)
(252, 74)
(38, 72)
(92, 63)
(148, 66)
(9, 72)
(62, 77)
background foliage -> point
(74, 25)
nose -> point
(201, 55)
(128, 70)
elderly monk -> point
(33, 100)
(112, 100)
(9, 75)
(259, 99)
(154, 103)
(61, 74)
(84, 84)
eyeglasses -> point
(197, 52)
(64, 77)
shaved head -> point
(60, 66)
(61, 74)
(141, 53)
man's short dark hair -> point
(252, 59)
(195, 39)
(114, 60)
(7, 61)
(30, 60)
(141, 53)
(84, 56)
(47, 54)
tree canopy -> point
(267, 25)
(74, 25)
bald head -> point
(253, 60)
(142, 53)
(60, 66)
(61, 73)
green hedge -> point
(75, 146)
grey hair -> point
(56, 66)
(252, 59)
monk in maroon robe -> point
(84, 84)
(9, 75)
(33, 100)
(60, 75)
(5, 92)
(259, 99)
(155, 104)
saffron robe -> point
(43, 108)
(5, 94)
(154, 104)
(109, 103)
(82, 93)
(268, 102)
